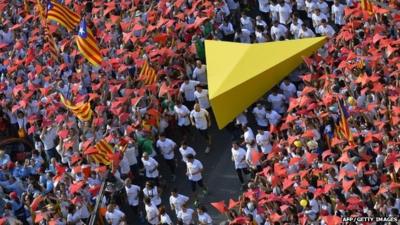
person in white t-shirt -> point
(305, 32)
(132, 192)
(188, 88)
(288, 89)
(200, 72)
(317, 18)
(310, 7)
(325, 29)
(261, 22)
(337, 12)
(152, 192)
(259, 114)
(151, 167)
(203, 217)
(278, 31)
(263, 6)
(176, 201)
(274, 13)
(194, 169)
(113, 215)
(263, 140)
(247, 22)
(239, 158)
(277, 101)
(164, 217)
(248, 135)
(261, 35)
(242, 35)
(254, 166)
(151, 212)
(284, 12)
(201, 120)
(272, 116)
(167, 148)
(182, 116)
(323, 6)
(185, 150)
(227, 31)
(185, 215)
(295, 26)
(202, 97)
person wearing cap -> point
(200, 119)
(151, 167)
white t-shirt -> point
(310, 7)
(205, 219)
(165, 219)
(239, 157)
(152, 214)
(263, 140)
(277, 102)
(295, 30)
(183, 115)
(316, 19)
(133, 194)
(263, 6)
(324, 7)
(177, 202)
(259, 114)
(248, 135)
(249, 153)
(273, 117)
(115, 216)
(186, 217)
(226, 29)
(130, 154)
(326, 31)
(338, 14)
(278, 32)
(185, 152)
(274, 12)
(194, 169)
(243, 37)
(150, 166)
(200, 74)
(188, 90)
(202, 98)
(48, 139)
(167, 148)
(306, 33)
(247, 23)
(285, 12)
(200, 118)
(288, 90)
(153, 195)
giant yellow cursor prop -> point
(239, 74)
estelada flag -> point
(148, 74)
(103, 151)
(62, 15)
(87, 44)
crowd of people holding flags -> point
(106, 90)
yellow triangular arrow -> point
(239, 74)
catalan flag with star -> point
(87, 44)
(62, 15)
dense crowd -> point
(298, 167)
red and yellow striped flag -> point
(81, 110)
(87, 44)
(148, 74)
(103, 151)
(62, 15)
(52, 44)
(366, 5)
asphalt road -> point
(219, 174)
